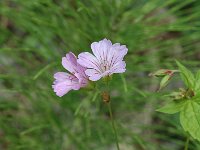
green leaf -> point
(197, 82)
(172, 107)
(186, 75)
(196, 98)
(190, 119)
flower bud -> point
(163, 72)
(164, 82)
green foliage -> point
(187, 76)
(173, 107)
(197, 82)
(188, 105)
(35, 34)
(189, 118)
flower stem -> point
(113, 125)
(187, 143)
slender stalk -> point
(113, 125)
(187, 143)
(106, 99)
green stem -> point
(187, 143)
(113, 125)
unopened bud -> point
(164, 81)
(163, 72)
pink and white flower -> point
(107, 59)
(64, 82)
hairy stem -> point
(113, 125)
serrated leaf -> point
(190, 119)
(172, 107)
(186, 75)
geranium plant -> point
(107, 60)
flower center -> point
(104, 66)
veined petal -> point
(117, 53)
(88, 60)
(93, 74)
(119, 67)
(81, 71)
(101, 49)
(107, 59)
(63, 87)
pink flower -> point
(64, 82)
(107, 59)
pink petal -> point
(95, 78)
(61, 76)
(83, 82)
(63, 87)
(81, 71)
(107, 59)
(117, 53)
(122, 49)
(93, 74)
(101, 49)
(69, 62)
(64, 82)
(88, 60)
(119, 67)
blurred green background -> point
(36, 34)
